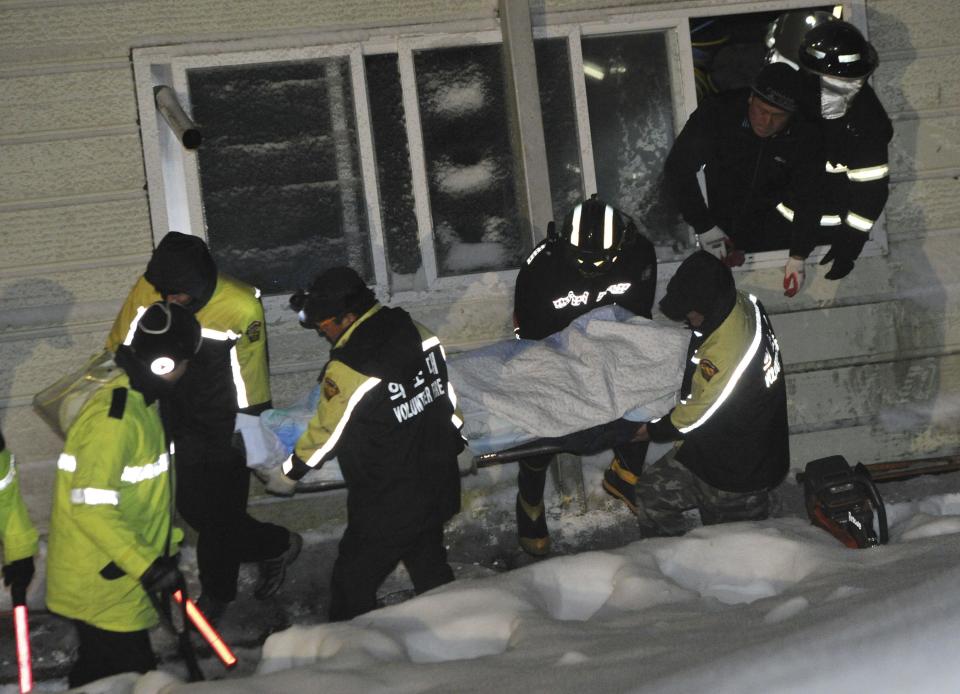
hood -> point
(182, 263)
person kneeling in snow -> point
(730, 427)
(388, 413)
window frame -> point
(172, 172)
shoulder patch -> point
(330, 388)
(254, 330)
(118, 403)
(708, 369)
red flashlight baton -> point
(22, 629)
(210, 635)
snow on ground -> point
(774, 607)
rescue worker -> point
(229, 375)
(17, 534)
(388, 413)
(598, 258)
(755, 154)
(730, 428)
(852, 179)
(111, 536)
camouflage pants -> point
(667, 491)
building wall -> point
(872, 361)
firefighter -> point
(852, 181)
(730, 428)
(229, 375)
(111, 536)
(388, 413)
(755, 153)
(598, 258)
(17, 534)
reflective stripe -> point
(128, 340)
(457, 422)
(67, 463)
(238, 382)
(430, 342)
(787, 213)
(331, 443)
(831, 220)
(848, 57)
(452, 394)
(607, 227)
(575, 226)
(140, 473)
(835, 168)
(859, 223)
(737, 372)
(868, 173)
(91, 496)
(256, 292)
(220, 335)
(8, 478)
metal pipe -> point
(180, 123)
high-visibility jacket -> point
(112, 511)
(731, 423)
(388, 413)
(230, 372)
(17, 534)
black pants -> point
(532, 472)
(361, 566)
(213, 484)
(103, 653)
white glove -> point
(714, 242)
(465, 460)
(278, 483)
(793, 276)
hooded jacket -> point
(731, 423)
(230, 373)
(388, 414)
(112, 511)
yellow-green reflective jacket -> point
(111, 511)
(17, 533)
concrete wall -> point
(873, 364)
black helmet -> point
(332, 294)
(166, 335)
(786, 33)
(838, 49)
(594, 232)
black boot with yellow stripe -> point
(532, 530)
(619, 482)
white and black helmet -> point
(786, 33)
(594, 232)
(838, 49)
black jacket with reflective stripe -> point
(732, 419)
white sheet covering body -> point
(607, 364)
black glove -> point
(18, 574)
(162, 576)
(843, 251)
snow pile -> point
(777, 606)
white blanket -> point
(607, 364)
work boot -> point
(273, 571)
(212, 608)
(532, 530)
(619, 482)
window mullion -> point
(369, 169)
(418, 165)
(587, 169)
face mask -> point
(836, 95)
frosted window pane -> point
(279, 170)
(394, 178)
(631, 126)
(559, 125)
(469, 160)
